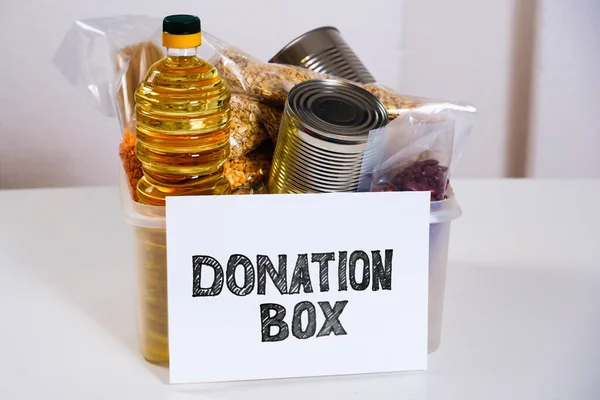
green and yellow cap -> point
(181, 31)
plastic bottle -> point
(182, 119)
(182, 128)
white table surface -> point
(522, 318)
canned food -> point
(324, 50)
(323, 137)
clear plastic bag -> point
(270, 118)
(415, 152)
(250, 170)
(108, 58)
(251, 124)
(429, 110)
(394, 102)
(267, 83)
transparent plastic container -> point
(150, 244)
(151, 270)
(442, 213)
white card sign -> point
(275, 286)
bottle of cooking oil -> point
(182, 124)
(182, 119)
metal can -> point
(324, 50)
(323, 137)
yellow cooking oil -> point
(182, 124)
(182, 120)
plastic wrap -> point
(251, 124)
(108, 58)
(414, 152)
(267, 83)
(249, 170)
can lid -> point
(181, 31)
(334, 110)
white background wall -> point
(565, 125)
(532, 68)
(462, 49)
(545, 96)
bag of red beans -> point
(412, 153)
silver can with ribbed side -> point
(323, 137)
(324, 50)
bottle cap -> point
(181, 31)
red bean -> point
(430, 163)
(429, 171)
(423, 176)
(412, 186)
